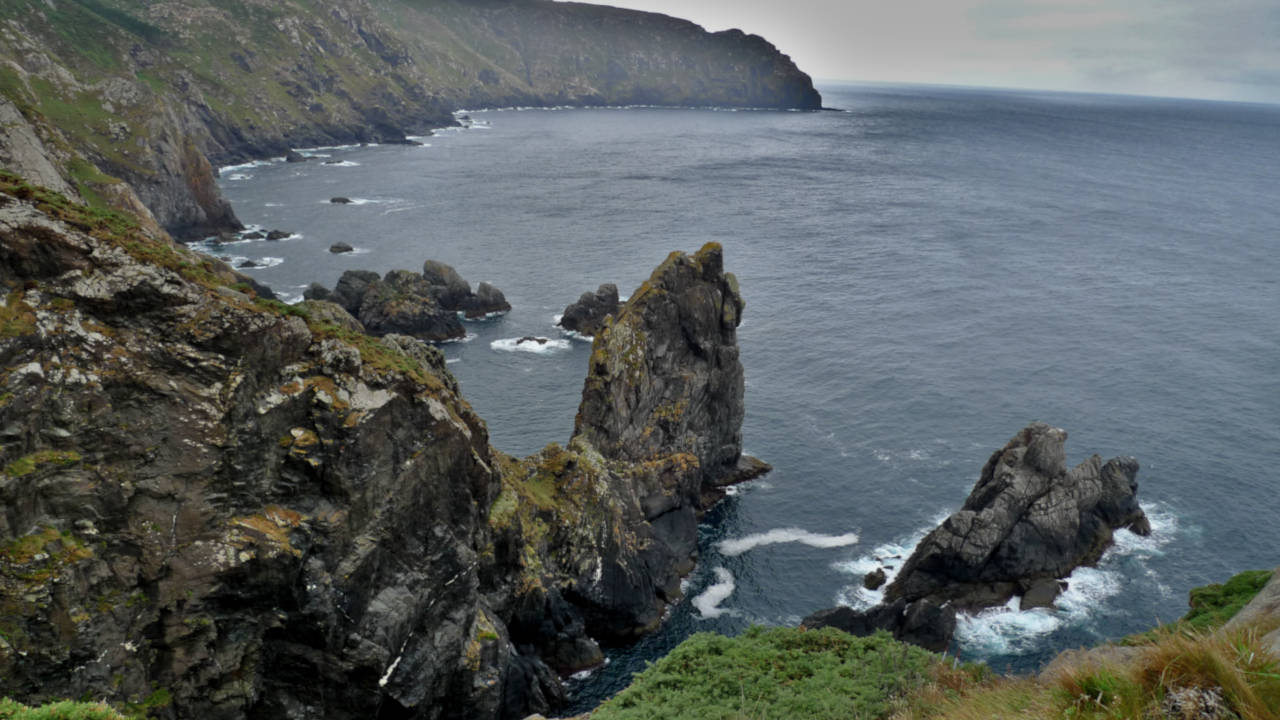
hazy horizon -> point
(1162, 48)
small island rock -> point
(586, 316)
(340, 200)
(293, 156)
(278, 235)
(340, 247)
(874, 579)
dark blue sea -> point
(926, 270)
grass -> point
(775, 673)
(1231, 665)
(28, 464)
(1211, 606)
(65, 710)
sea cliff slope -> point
(130, 104)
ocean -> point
(926, 270)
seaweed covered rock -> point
(1028, 519)
(586, 316)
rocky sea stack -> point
(1028, 522)
(587, 315)
(235, 508)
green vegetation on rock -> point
(65, 710)
(1213, 605)
(775, 673)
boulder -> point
(1041, 592)
(450, 289)
(486, 300)
(586, 316)
(874, 579)
(316, 291)
(293, 156)
(278, 235)
(340, 200)
(532, 339)
(922, 623)
(255, 235)
(351, 287)
(1028, 518)
(247, 263)
(340, 247)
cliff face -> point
(224, 507)
(144, 92)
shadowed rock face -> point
(1028, 519)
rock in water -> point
(922, 623)
(586, 316)
(1028, 518)
(293, 156)
(402, 302)
(340, 247)
(664, 374)
(340, 200)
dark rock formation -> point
(278, 235)
(340, 200)
(293, 156)
(586, 317)
(454, 293)
(255, 235)
(923, 622)
(267, 513)
(340, 247)
(874, 579)
(1028, 518)
(532, 339)
(665, 376)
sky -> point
(1215, 49)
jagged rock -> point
(487, 300)
(321, 311)
(874, 579)
(278, 235)
(664, 375)
(340, 200)
(451, 289)
(259, 517)
(340, 247)
(532, 339)
(923, 622)
(246, 263)
(586, 316)
(402, 302)
(1028, 518)
(351, 287)
(255, 235)
(316, 291)
(293, 156)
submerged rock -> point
(586, 316)
(1028, 519)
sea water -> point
(926, 270)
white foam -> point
(263, 262)
(708, 602)
(551, 345)
(341, 163)
(272, 204)
(738, 546)
(240, 176)
(245, 166)
(365, 201)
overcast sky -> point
(1221, 49)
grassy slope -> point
(784, 673)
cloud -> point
(1225, 49)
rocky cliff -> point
(213, 505)
(150, 93)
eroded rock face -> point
(205, 496)
(1028, 519)
(269, 514)
(586, 316)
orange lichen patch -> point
(271, 528)
(293, 387)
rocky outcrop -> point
(1028, 520)
(923, 622)
(221, 506)
(664, 375)
(423, 305)
(145, 93)
(586, 316)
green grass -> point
(65, 710)
(775, 673)
(1211, 606)
(30, 463)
